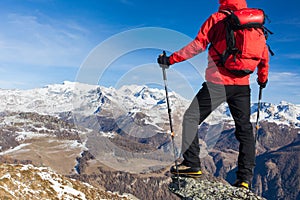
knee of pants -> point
(191, 115)
(243, 126)
(244, 131)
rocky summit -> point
(209, 188)
(23, 182)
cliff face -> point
(277, 173)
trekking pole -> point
(170, 118)
(258, 110)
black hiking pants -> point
(208, 99)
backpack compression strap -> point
(230, 39)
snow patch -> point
(59, 187)
(17, 148)
(28, 135)
(108, 134)
(8, 176)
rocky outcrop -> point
(209, 188)
(25, 182)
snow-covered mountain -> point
(283, 113)
(87, 99)
(129, 100)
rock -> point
(208, 188)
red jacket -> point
(213, 32)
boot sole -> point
(189, 174)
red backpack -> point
(242, 26)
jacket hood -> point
(232, 4)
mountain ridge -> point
(74, 96)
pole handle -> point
(163, 68)
(164, 53)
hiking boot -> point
(183, 170)
(242, 184)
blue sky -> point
(49, 41)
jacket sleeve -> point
(263, 66)
(198, 45)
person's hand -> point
(163, 60)
(262, 85)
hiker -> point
(227, 80)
